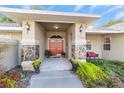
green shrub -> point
(110, 84)
(37, 64)
(90, 74)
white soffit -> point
(19, 15)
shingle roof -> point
(118, 28)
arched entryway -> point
(56, 45)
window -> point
(107, 43)
(88, 45)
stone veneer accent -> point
(29, 52)
(78, 52)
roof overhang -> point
(19, 15)
(103, 32)
(19, 29)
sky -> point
(108, 12)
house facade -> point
(61, 33)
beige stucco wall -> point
(60, 33)
(11, 35)
(28, 37)
(117, 48)
(79, 35)
(70, 36)
(40, 37)
(17, 36)
(96, 43)
(10, 56)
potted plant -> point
(36, 65)
(63, 54)
(47, 53)
(74, 65)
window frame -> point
(107, 44)
(88, 44)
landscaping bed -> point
(101, 73)
(18, 77)
(115, 70)
(15, 78)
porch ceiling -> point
(19, 15)
(50, 26)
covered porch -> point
(54, 39)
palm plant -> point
(113, 22)
(36, 7)
(4, 19)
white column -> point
(79, 43)
(29, 45)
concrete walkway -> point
(55, 79)
(58, 76)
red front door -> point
(56, 46)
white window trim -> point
(89, 44)
(106, 43)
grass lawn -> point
(101, 73)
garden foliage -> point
(37, 64)
(90, 74)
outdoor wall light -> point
(27, 26)
(56, 27)
(81, 28)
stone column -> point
(29, 45)
(79, 43)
